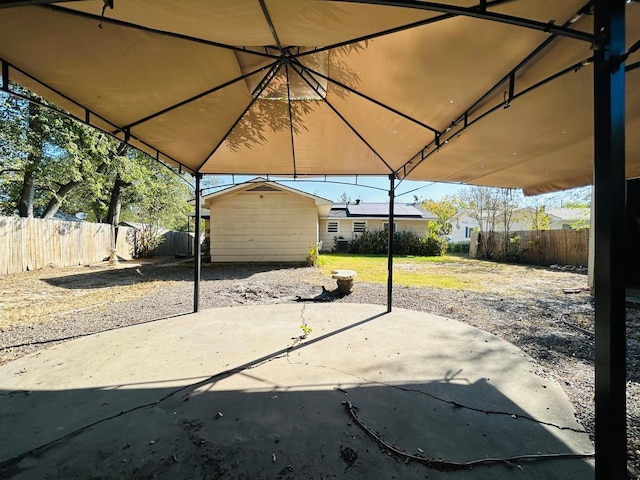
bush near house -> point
(375, 242)
(458, 247)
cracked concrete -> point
(237, 393)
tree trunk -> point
(27, 194)
(115, 202)
(56, 201)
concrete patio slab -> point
(238, 393)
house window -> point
(359, 227)
(385, 226)
(333, 227)
(467, 232)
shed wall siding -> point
(262, 227)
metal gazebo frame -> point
(608, 40)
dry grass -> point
(32, 298)
(43, 296)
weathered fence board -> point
(34, 243)
(175, 243)
(546, 247)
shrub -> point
(404, 243)
(434, 246)
(458, 247)
(407, 243)
(372, 242)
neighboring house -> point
(566, 218)
(346, 221)
(462, 224)
(559, 218)
(263, 221)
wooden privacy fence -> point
(175, 243)
(34, 243)
(546, 247)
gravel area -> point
(527, 307)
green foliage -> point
(539, 219)
(32, 147)
(375, 242)
(156, 194)
(580, 224)
(51, 162)
(577, 204)
(370, 242)
(434, 247)
(312, 256)
(407, 243)
(444, 210)
(306, 330)
(458, 247)
(514, 251)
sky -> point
(333, 188)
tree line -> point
(51, 163)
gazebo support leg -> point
(609, 272)
(392, 197)
(196, 248)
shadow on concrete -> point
(292, 431)
(142, 402)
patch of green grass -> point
(447, 271)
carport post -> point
(196, 248)
(609, 271)
(392, 196)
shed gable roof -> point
(260, 184)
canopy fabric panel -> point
(420, 90)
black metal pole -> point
(392, 196)
(609, 274)
(196, 247)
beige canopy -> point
(486, 92)
(420, 90)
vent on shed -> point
(263, 188)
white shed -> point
(263, 221)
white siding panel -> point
(263, 227)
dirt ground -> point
(527, 306)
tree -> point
(507, 204)
(28, 144)
(48, 154)
(490, 207)
(161, 200)
(481, 204)
(535, 214)
(51, 162)
(444, 210)
(344, 198)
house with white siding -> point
(346, 221)
(463, 223)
